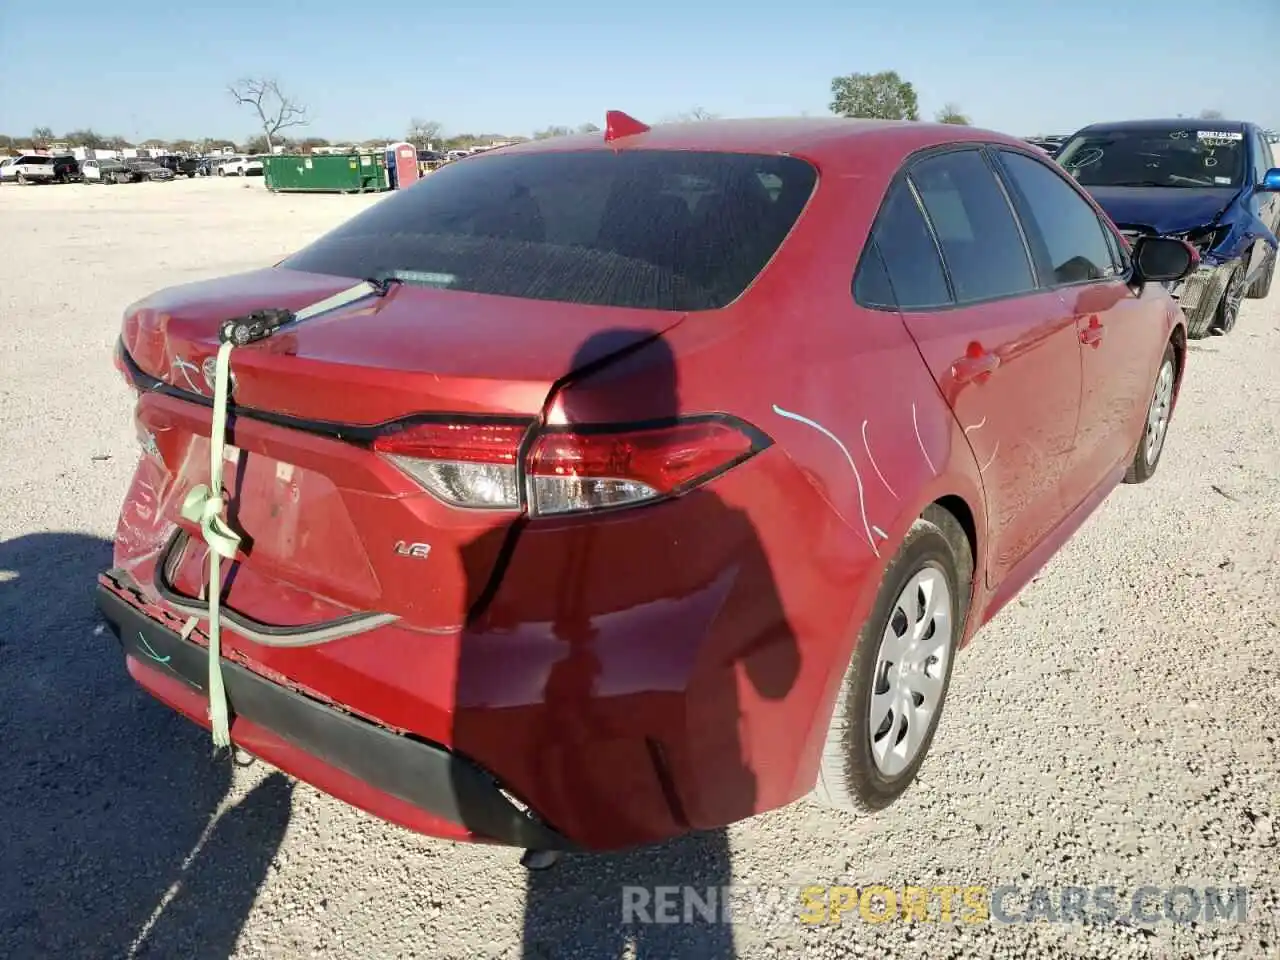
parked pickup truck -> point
(181, 166)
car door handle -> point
(976, 364)
(1092, 334)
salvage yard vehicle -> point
(181, 166)
(66, 169)
(28, 168)
(105, 171)
(1213, 183)
(148, 170)
(648, 480)
(241, 167)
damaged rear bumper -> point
(410, 781)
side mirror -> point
(1164, 258)
(1271, 180)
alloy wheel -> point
(911, 671)
(1158, 413)
(1232, 297)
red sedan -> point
(650, 480)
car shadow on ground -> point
(633, 904)
(116, 832)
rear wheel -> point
(1151, 445)
(1262, 285)
(892, 694)
(22, 178)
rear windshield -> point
(36, 161)
(1191, 156)
(662, 230)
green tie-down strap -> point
(205, 504)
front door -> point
(1003, 351)
(1120, 333)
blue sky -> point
(364, 69)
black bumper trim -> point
(421, 773)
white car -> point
(27, 169)
(240, 166)
(105, 171)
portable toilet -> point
(402, 165)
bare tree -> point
(423, 133)
(950, 113)
(40, 137)
(698, 113)
(274, 108)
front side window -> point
(654, 229)
(1072, 236)
(981, 244)
(1190, 156)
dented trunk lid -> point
(331, 529)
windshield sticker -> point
(1218, 135)
(1225, 181)
(1086, 158)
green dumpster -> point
(326, 173)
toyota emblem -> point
(210, 368)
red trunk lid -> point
(322, 518)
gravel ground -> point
(1116, 725)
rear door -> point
(1002, 350)
(1121, 333)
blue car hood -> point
(1163, 209)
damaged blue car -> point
(1213, 183)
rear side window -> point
(901, 263)
(663, 230)
(981, 244)
(1066, 224)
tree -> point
(550, 132)
(86, 138)
(880, 96)
(311, 143)
(274, 108)
(697, 114)
(40, 137)
(423, 133)
(1210, 114)
(950, 113)
(258, 144)
(588, 128)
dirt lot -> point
(1116, 725)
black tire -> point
(22, 178)
(221, 172)
(1261, 285)
(848, 777)
(1146, 457)
(1228, 310)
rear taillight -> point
(567, 469)
(466, 465)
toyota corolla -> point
(604, 488)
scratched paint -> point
(875, 466)
(186, 368)
(915, 423)
(991, 459)
(862, 502)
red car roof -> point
(824, 140)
